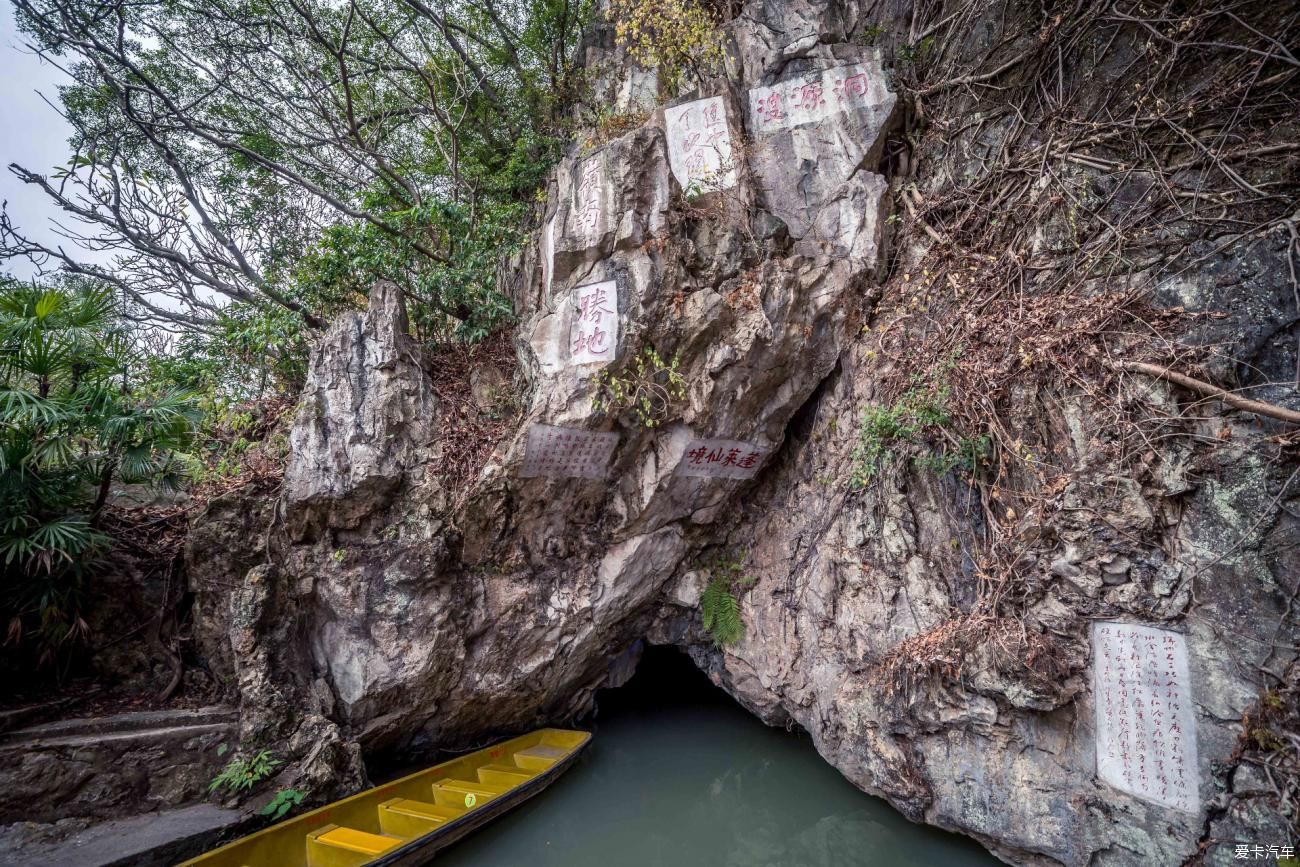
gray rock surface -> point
(150, 840)
(375, 616)
(103, 767)
(366, 419)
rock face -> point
(95, 768)
(365, 423)
(925, 582)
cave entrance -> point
(678, 775)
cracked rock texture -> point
(369, 613)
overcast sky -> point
(31, 132)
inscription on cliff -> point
(1146, 735)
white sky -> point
(31, 134)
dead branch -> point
(1256, 406)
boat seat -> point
(540, 757)
(506, 775)
(463, 793)
(336, 846)
(403, 817)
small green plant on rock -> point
(646, 387)
(883, 427)
(240, 775)
(924, 407)
(870, 34)
(719, 607)
(967, 456)
(284, 801)
(672, 36)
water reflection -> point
(678, 775)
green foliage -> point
(884, 430)
(871, 34)
(673, 36)
(252, 349)
(250, 214)
(720, 613)
(918, 52)
(284, 801)
(74, 419)
(882, 427)
(968, 455)
(646, 387)
(241, 775)
(719, 607)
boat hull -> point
(420, 852)
(407, 821)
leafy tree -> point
(280, 154)
(70, 426)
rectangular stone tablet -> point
(1146, 733)
(699, 146)
(561, 452)
(594, 335)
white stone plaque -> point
(813, 97)
(699, 146)
(726, 459)
(1146, 734)
(594, 335)
(561, 452)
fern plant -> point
(719, 607)
(720, 611)
(240, 775)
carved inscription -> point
(1146, 735)
(814, 97)
(726, 459)
(561, 452)
(699, 145)
(594, 336)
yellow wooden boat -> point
(404, 822)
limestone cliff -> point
(902, 210)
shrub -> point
(646, 387)
(72, 422)
(672, 36)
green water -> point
(678, 775)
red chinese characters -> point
(853, 85)
(769, 107)
(730, 459)
(1143, 714)
(594, 335)
(587, 208)
(809, 96)
(813, 97)
(699, 145)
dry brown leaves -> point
(261, 467)
(152, 533)
(963, 326)
(468, 433)
(950, 651)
